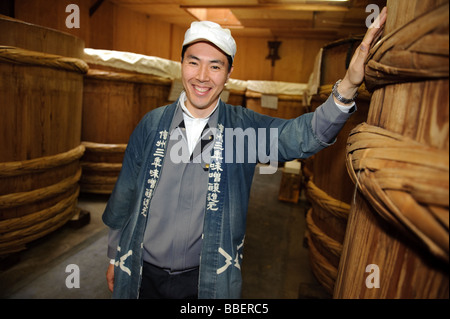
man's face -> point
(204, 74)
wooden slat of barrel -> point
(237, 98)
(234, 92)
(404, 234)
(101, 164)
(40, 102)
(114, 101)
(336, 58)
(330, 189)
(29, 36)
(289, 106)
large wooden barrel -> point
(234, 92)
(277, 99)
(41, 84)
(119, 89)
(397, 241)
(329, 189)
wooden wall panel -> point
(113, 27)
(250, 62)
(297, 59)
(52, 14)
(295, 65)
(102, 27)
(141, 33)
(177, 37)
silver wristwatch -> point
(339, 97)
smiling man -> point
(177, 227)
(204, 74)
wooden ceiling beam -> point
(95, 7)
(281, 24)
(286, 6)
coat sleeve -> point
(328, 120)
(301, 137)
(117, 209)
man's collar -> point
(183, 99)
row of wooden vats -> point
(379, 219)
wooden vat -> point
(399, 221)
(286, 98)
(118, 92)
(329, 188)
(234, 92)
(41, 83)
(291, 180)
(236, 97)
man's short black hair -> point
(229, 58)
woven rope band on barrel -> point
(331, 244)
(103, 147)
(8, 169)
(127, 77)
(416, 51)
(26, 57)
(330, 204)
(406, 182)
(23, 198)
(324, 271)
(17, 232)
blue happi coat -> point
(227, 198)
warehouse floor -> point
(275, 264)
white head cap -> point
(211, 32)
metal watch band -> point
(339, 97)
